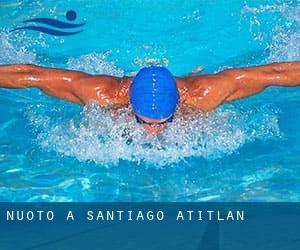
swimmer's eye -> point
(141, 121)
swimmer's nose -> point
(153, 129)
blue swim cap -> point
(154, 93)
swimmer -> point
(154, 93)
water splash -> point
(12, 51)
(95, 63)
(285, 36)
(143, 62)
(285, 45)
(106, 136)
(264, 8)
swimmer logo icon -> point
(57, 28)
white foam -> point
(285, 44)
(106, 136)
(12, 51)
(95, 63)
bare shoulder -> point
(102, 88)
(206, 92)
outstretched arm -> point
(70, 85)
(209, 91)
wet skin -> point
(203, 92)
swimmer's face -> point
(153, 126)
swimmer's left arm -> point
(252, 80)
(207, 92)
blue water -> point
(248, 150)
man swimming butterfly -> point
(154, 93)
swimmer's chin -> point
(153, 129)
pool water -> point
(248, 150)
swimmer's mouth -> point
(141, 121)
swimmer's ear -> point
(196, 71)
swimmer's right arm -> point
(54, 82)
(74, 86)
